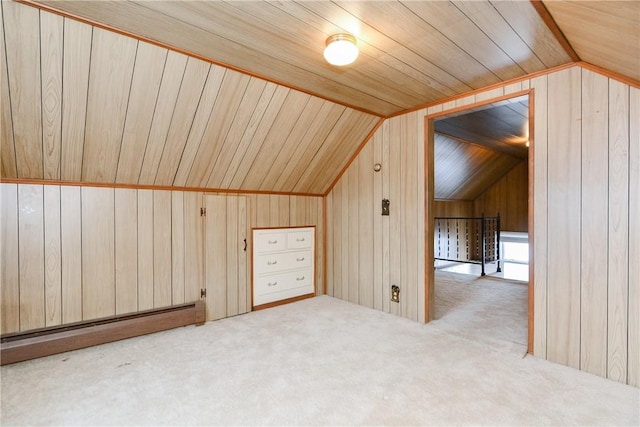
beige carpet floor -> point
(320, 361)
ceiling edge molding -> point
(610, 74)
(555, 30)
(149, 187)
(51, 9)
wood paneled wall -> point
(509, 198)
(367, 253)
(453, 208)
(79, 253)
(586, 219)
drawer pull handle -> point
(272, 242)
(300, 259)
(272, 284)
(300, 239)
(299, 278)
(272, 262)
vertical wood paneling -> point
(52, 256)
(216, 256)
(126, 250)
(420, 235)
(563, 344)
(539, 147)
(320, 245)
(344, 259)
(618, 242)
(51, 49)
(112, 59)
(147, 74)
(31, 256)
(633, 371)
(263, 210)
(410, 219)
(161, 248)
(354, 246)
(336, 260)
(232, 244)
(145, 250)
(365, 227)
(395, 223)
(330, 230)
(376, 207)
(22, 38)
(7, 148)
(387, 168)
(9, 269)
(177, 247)
(193, 246)
(172, 79)
(98, 263)
(593, 275)
(71, 248)
(75, 83)
(243, 250)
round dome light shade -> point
(341, 49)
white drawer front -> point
(267, 242)
(271, 263)
(277, 283)
(300, 239)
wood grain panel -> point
(7, 148)
(193, 246)
(633, 371)
(52, 256)
(594, 223)
(276, 140)
(354, 247)
(409, 200)
(233, 87)
(330, 239)
(22, 38)
(540, 153)
(293, 141)
(98, 263)
(241, 246)
(232, 245)
(31, 256)
(376, 262)
(51, 52)
(172, 78)
(365, 227)
(618, 233)
(126, 250)
(247, 138)
(395, 223)
(9, 271)
(246, 109)
(75, 83)
(147, 75)
(177, 247)
(344, 259)
(422, 266)
(199, 125)
(280, 211)
(216, 256)
(71, 247)
(564, 199)
(193, 83)
(334, 287)
(145, 250)
(112, 60)
(386, 237)
(161, 248)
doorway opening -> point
(479, 219)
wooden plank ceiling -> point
(411, 52)
(84, 104)
(238, 96)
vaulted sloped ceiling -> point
(85, 104)
(411, 52)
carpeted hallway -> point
(320, 361)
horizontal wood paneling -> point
(87, 104)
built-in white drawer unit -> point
(283, 264)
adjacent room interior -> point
(206, 217)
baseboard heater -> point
(28, 345)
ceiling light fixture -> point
(341, 49)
